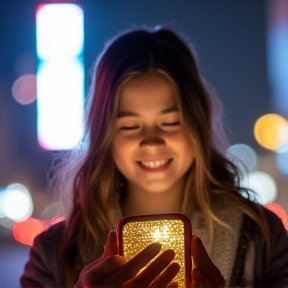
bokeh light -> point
(60, 93)
(24, 89)
(57, 220)
(2, 191)
(25, 231)
(6, 223)
(280, 212)
(242, 154)
(271, 131)
(59, 29)
(60, 75)
(263, 184)
(283, 148)
(16, 202)
(282, 162)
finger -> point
(173, 284)
(103, 270)
(153, 270)
(92, 273)
(110, 248)
(199, 280)
(134, 265)
(166, 277)
(202, 261)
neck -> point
(139, 202)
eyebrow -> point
(122, 114)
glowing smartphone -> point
(172, 231)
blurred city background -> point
(242, 50)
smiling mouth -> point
(154, 164)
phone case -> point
(172, 231)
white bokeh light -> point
(263, 184)
(60, 105)
(16, 202)
(243, 156)
(60, 31)
(60, 75)
(282, 162)
(2, 192)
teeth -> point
(154, 164)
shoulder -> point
(278, 233)
(277, 259)
(47, 245)
(52, 236)
(43, 268)
(54, 231)
(273, 220)
(275, 224)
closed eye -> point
(171, 123)
(129, 127)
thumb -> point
(111, 247)
(203, 265)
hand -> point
(111, 270)
(204, 274)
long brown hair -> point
(96, 204)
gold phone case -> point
(172, 231)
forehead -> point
(152, 92)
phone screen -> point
(172, 231)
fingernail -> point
(110, 234)
(155, 246)
(195, 238)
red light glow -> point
(57, 220)
(25, 231)
(280, 212)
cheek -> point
(184, 150)
(122, 149)
(178, 140)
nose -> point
(152, 138)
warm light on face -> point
(149, 145)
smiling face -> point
(149, 147)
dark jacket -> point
(44, 267)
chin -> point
(157, 189)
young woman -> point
(153, 145)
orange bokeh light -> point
(271, 131)
(25, 231)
